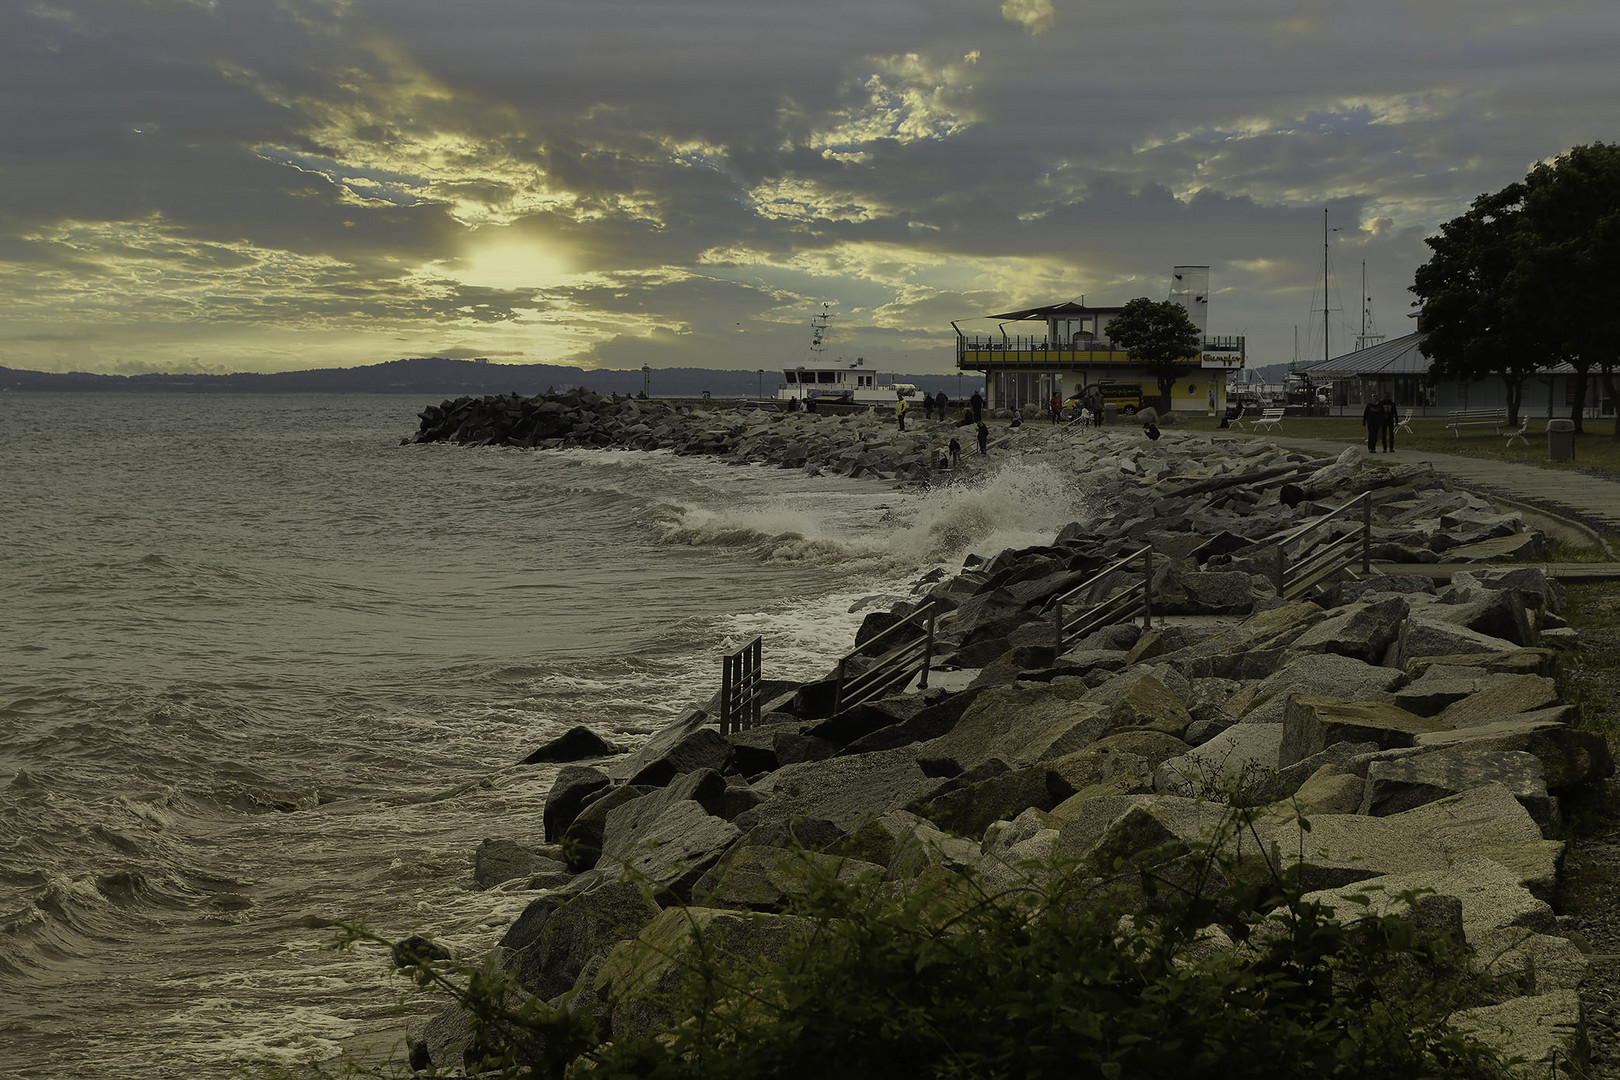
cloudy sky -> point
(229, 185)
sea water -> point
(264, 667)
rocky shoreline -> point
(1416, 724)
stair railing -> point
(893, 669)
(1296, 577)
(740, 688)
(1122, 606)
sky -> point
(273, 185)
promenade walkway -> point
(1578, 500)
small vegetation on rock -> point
(1180, 963)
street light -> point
(646, 374)
(759, 390)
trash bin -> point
(1561, 440)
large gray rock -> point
(1547, 1031)
(1398, 784)
(569, 791)
(1324, 674)
(641, 977)
(670, 852)
(1441, 684)
(1500, 699)
(1423, 634)
(762, 878)
(1569, 757)
(495, 861)
(1020, 724)
(1312, 723)
(1362, 631)
(565, 936)
(842, 790)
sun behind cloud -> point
(511, 263)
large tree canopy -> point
(1159, 335)
(1528, 278)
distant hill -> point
(440, 377)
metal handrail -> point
(1326, 561)
(740, 688)
(1119, 607)
(893, 668)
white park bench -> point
(1269, 418)
(1472, 418)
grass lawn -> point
(1596, 449)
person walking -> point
(1390, 417)
(984, 438)
(1372, 418)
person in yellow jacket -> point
(900, 413)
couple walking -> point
(1380, 418)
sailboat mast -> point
(1324, 283)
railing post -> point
(1058, 613)
(838, 688)
(755, 680)
(1366, 532)
(725, 695)
(1147, 588)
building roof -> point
(1067, 307)
(1398, 356)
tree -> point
(1467, 310)
(1571, 268)
(1159, 335)
(1527, 278)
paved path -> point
(1589, 498)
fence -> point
(1296, 578)
(893, 669)
(740, 688)
(1136, 599)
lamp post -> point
(759, 388)
(646, 374)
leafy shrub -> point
(1181, 965)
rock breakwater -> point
(1413, 723)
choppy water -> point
(261, 667)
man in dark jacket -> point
(1372, 418)
(1391, 417)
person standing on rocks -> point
(976, 405)
(956, 452)
(940, 402)
(1056, 405)
(1390, 416)
(1372, 418)
(984, 438)
(900, 413)
(928, 406)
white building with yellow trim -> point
(1071, 354)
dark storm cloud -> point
(686, 180)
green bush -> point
(1182, 965)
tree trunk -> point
(1579, 408)
(1514, 388)
(1608, 392)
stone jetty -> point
(1414, 723)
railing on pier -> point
(740, 688)
(893, 669)
(1122, 606)
(1297, 577)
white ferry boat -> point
(817, 376)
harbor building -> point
(1066, 350)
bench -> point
(1470, 418)
(1269, 418)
